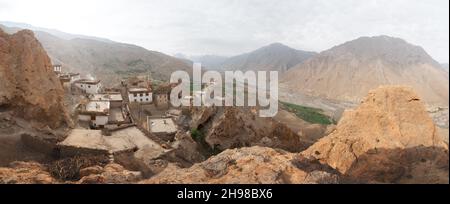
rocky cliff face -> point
(389, 138)
(234, 127)
(27, 82)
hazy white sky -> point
(228, 27)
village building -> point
(137, 82)
(140, 95)
(57, 68)
(114, 98)
(164, 128)
(69, 78)
(93, 143)
(161, 96)
(120, 141)
(88, 86)
(74, 77)
(117, 114)
(95, 112)
(65, 80)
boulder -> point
(25, 173)
(111, 173)
(389, 138)
(27, 81)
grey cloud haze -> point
(229, 27)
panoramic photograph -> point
(224, 92)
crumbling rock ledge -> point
(252, 165)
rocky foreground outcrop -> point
(111, 173)
(235, 127)
(389, 138)
(252, 165)
(35, 173)
(27, 82)
(25, 173)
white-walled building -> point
(88, 86)
(57, 68)
(74, 77)
(140, 95)
(69, 78)
(95, 112)
(114, 98)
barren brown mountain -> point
(27, 81)
(348, 71)
(274, 57)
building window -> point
(147, 99)
(89, 86)
(135, 95)
(141, 95)
(81, 85)
(141, 99)
(135, 100)
(146, 94)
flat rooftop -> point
(121, 140)
(162, 125)
(98, 106)
(85, 138)
(87, 81)
(139, 90)
(93, 139)
(148, 149)
(107, 97)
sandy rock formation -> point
(186, 149)
(25, 173)
(389, 138)
(251, 165)
(27, 81)
(111, 173)
(35, 173)
(234, 127)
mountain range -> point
(273, 57)
(101, 57)
(348, 71)
(345, 72)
